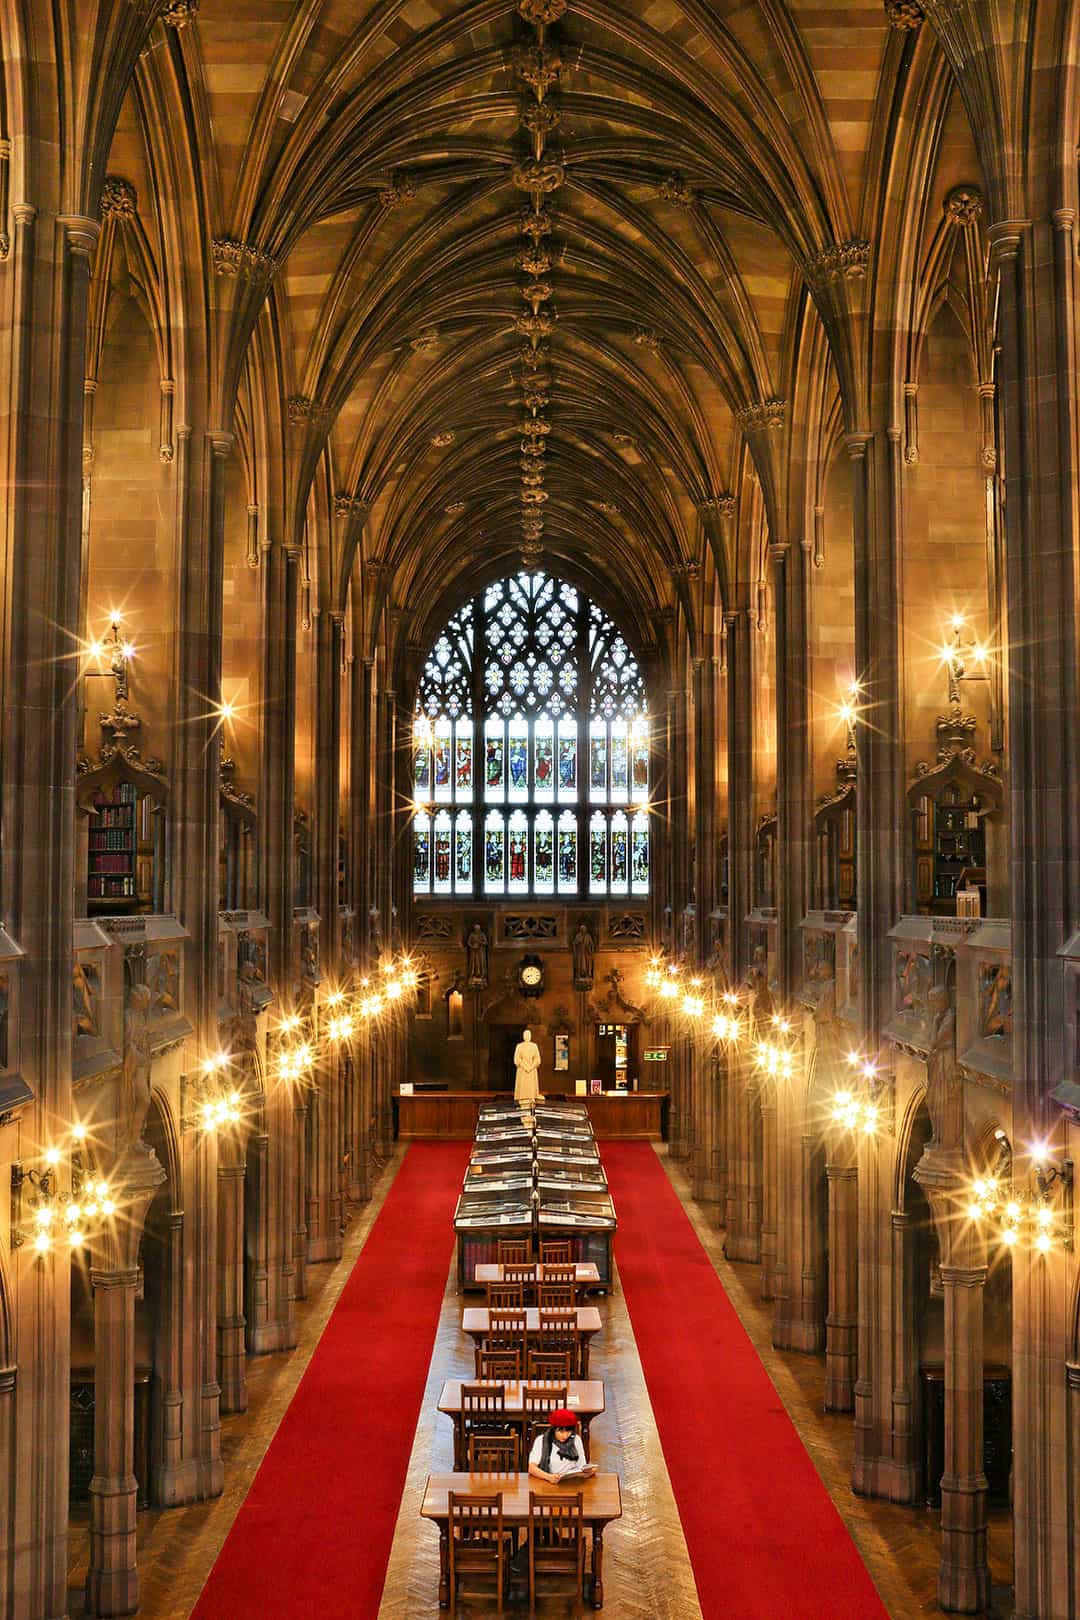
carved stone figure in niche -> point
(309, 956)
(84, 991)
(818, 957)
(584, 948)
(375, 938)
(348, 940)
(245, 1020)
(476, 946)
(944, 1087)
(912, 983)
(995, 1001)
(163, 977)
(527, 1070)
(135, 1074)
(667, 932)
(757, 980)
(689, 933)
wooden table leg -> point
(598, 1567)
(584, 1355)
(586, 1424)
(444, 1565)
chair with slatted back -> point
(551, 1365)
(523, 1273)
(502, 1366)
(558, 1331)
(514, 1251)
(494, 1453)
(477, 1546)
(538, 1401)
(557, 1296)
(556, 1542)
(556, 1252)
(506, 1331)
(505, 1296)
(483, 1411)
(559, 1275)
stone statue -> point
(527, 1070)
(584, 948)
(756, 981)
(944, 1087)
(245, 1025)
(84, 994)
(135, 1074)
(477, 958)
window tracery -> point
(531, 750)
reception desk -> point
(428, 1116)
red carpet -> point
(764, 1538)
(313, 1536)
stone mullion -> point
(46, 303)
(1036, 271)
(276, 803)
(324, 1217)
(881, 833)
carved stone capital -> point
(348, 506)
(904, 15)
(119, 199)
(764, 416)
(178, 13)
(242, 260)
(841, 261)
(964, 205)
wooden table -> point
(474, 1321)
(584, 1397)
(601, 1503)
(588, 1275)
(452, 1115)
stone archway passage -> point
(763, 1535)
(314, 1533)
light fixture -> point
(44, 1215)
(120, 652)
(1039, 1215)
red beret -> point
(562, 1419)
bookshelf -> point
(123, 849)
(950, 842)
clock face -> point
(531, 975)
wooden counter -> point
(451, 1115)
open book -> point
(586, 1471)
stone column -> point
(1072, 1420)
(964, 1576)
(276, 809)
(742, 1202)
(841, 1321)
(112, 1581)
(175, 1476)
(299, 1185)
(881, 811)
(324, 1223)
(770, 1187)
(231, 1322)
(8, 1376)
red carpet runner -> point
(765, 1540)
(313, 1536)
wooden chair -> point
(513, 1251)
(553, 1365)
(506, 1331)
(556, 1252)
(477, 1545)
(499, 1366)
(494, 1453)
(538, 1401)
(562, 1275)
(558, 1332)
(556, 1542)
(523, 1273)
(483, 1411)
(557, 1296)
(505, 1296)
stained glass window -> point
(531, 749)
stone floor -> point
(646, 1568)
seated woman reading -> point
(558, 1451)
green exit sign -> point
(655, 1054)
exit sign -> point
(655, 1054)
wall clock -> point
(530, 976)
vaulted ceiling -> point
(536, 269)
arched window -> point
(553, 801)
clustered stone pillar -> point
(232, 1350)
(841, 1320)
(964, 1575)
